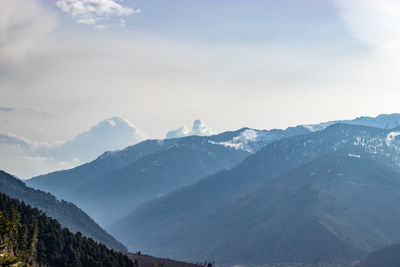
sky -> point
(65, 65)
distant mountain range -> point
(111, 186)
(383, 121)
(330, 195)
(66, 213)
(310, 193)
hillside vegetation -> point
(29, 237)
(66, 213)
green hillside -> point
(29, 237)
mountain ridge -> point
(209, 200)
(30, 238)
(66, 213)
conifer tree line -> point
(66, 213)
(30, 238)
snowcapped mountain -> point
(26, 157)
(251, 140)
(330, 190)
(383, 121)
(157, 167)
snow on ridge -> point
(391, 137)
(353, 155)
(247, 140)
(319, 126)
(383, 121)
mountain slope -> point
(156, 174)
(64, 183)
(66, 213)
(235, 220)
(115, 183)
(179, 162)
(382, 121)
(388, 256)
(30, 237)
(109, 187)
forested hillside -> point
(66, 213)
(29, 237)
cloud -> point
(110, 134)
(91, 12)
(12, 139)
(122, 23)
(6, 109)
(37, 110)
(198, 128)
(374, 22)
(177, 133)
(24, 166)
(23, 25)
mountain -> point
(30, 238)
(110, 134)
(66, 213)
(143, 260)
(383, 121)
(325, 196)
(137, 174)
(111, 186)
(388, 256)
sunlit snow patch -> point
(391, 137)
(246, 140)
(354, 155)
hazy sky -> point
(67, 64)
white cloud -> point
(12, 139)
(23, 26)
(177, 133)
(122, 23)
(111, 134)
(37, 110)
(374, 22)
(91, 12)
(198, 128)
